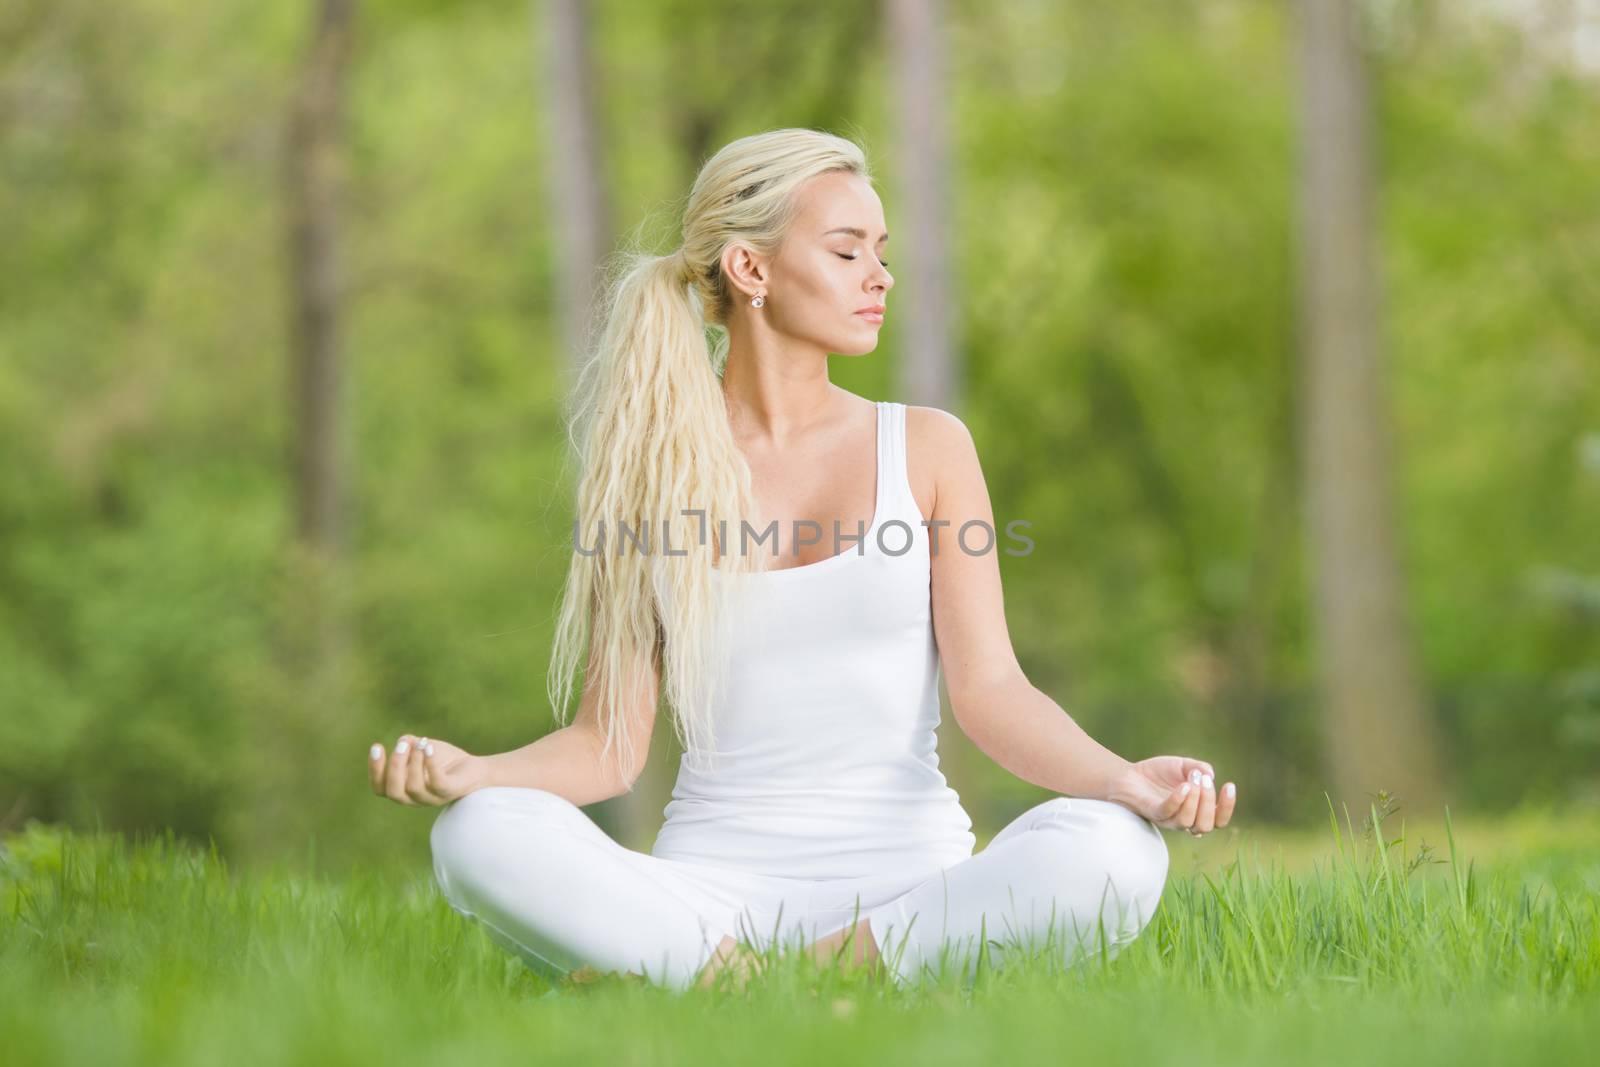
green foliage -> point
(153, 950)
(1122, 234)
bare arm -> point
(1005, 715)
(567, 761)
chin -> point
(856, 347)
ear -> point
(744, 268)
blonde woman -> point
(817, 560)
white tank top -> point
(826, 764)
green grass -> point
(1380, 947)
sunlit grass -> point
(1386, 946)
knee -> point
(460, 836)
(471, 831)
(1121, 850)
(1134, 853)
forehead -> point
(840, 198)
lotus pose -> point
(792, 567)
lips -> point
(873, 313)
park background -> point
(289, 301)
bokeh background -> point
(1302, 400)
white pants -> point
(1072, 875)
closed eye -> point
(841, 255)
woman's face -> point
(830, 268)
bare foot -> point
(737, 958)
(861, 954)
(744, 962)
(587, 975)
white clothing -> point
(826, 764)
(825, 804)
(553, 888)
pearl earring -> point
(758, 300)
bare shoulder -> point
(940, 453)
(935, 423)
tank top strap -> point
(894, 477)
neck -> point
(776, 389)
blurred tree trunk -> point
(313, 176)
(299, 712)
(925, 357)
(579, 212)
(1375, 722)
(927, 372)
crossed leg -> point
(1060, 875)
(550, 885)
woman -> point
(802, 676)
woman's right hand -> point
(424, 771)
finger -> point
(1225, 803)
(1191, 806)
(416, 786)
(433, 775)
(394, 781)
(375, 763)
(1167, 813)
(1192, 765)
(1174, 802)
(414, 769)
(430, 772)
(1206, 814)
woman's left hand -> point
(1176, 793)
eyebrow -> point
(854, 232)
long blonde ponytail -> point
(648, 425)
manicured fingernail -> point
(1184, 791)
(1205, 780)
(427, 749)
(1194, 776)
(422, 742)
(1228, 789)
(377, 750)
(402, 748)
